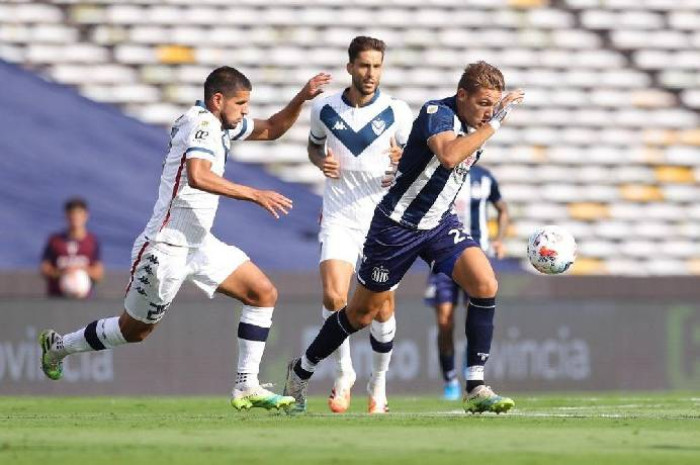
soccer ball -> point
(75, 283)
(551, 249)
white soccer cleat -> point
(339, 400)
(296, 388)
(377, 402)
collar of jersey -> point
(451, 102)
(348, 103)
(200, 103)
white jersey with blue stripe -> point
(480, 189)
(359, 138)
(183, 215)
(424, 190)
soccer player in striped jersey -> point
(177, 243)
(414, 219)
(480, 189)
(355, 136)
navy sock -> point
(479, 329)
(447, 365)
(333, 332)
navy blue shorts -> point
(442, 289)
(390, 249)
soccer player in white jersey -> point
(355, 139)
(177, 244)
(442, 294)
(414, 219)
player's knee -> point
(334, 300)
(264, 294)
(364, 320)
(485, 287)
(446, 325)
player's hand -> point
(516, 96)
(505, 106)
(499, 249)
(273, 202)
(394, 151)
(315, 86)
(330, 166)
(390, 175)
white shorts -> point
(341, 243)
(158, 270)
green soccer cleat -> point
(295, 387)
(483, 399)
(51, 364)
(260, 397)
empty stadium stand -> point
(608, 144)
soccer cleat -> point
(483, 399)
(452, 390)
(296, 388)
(260, 397)
(376, 403)
(52, 365)
(339, 400)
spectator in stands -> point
(71, 259)
(480, 189)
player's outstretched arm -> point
(200, 176)
(277, 124)
(452, 150)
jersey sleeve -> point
(495, 194)
(243, 130)
(201, 142)
(317, 131)
(434, 119)
(404, 118)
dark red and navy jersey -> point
(63, 252)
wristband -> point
(495, 124)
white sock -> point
(382, 338)
(253, 328)
(98, 335)
(343, 360)
(475, 373)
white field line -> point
(523, 414)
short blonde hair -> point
(481, 75)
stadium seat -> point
(640, 193)
(609, 134)
(588, 211)
(588, 266)
(674, 174)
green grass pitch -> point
(543, 429)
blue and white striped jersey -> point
(359, 138)
(424, 190)
(481, 188)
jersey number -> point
(459, 237)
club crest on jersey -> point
(460, 171)
(380, 274)
(378, 126)
(339, 126)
